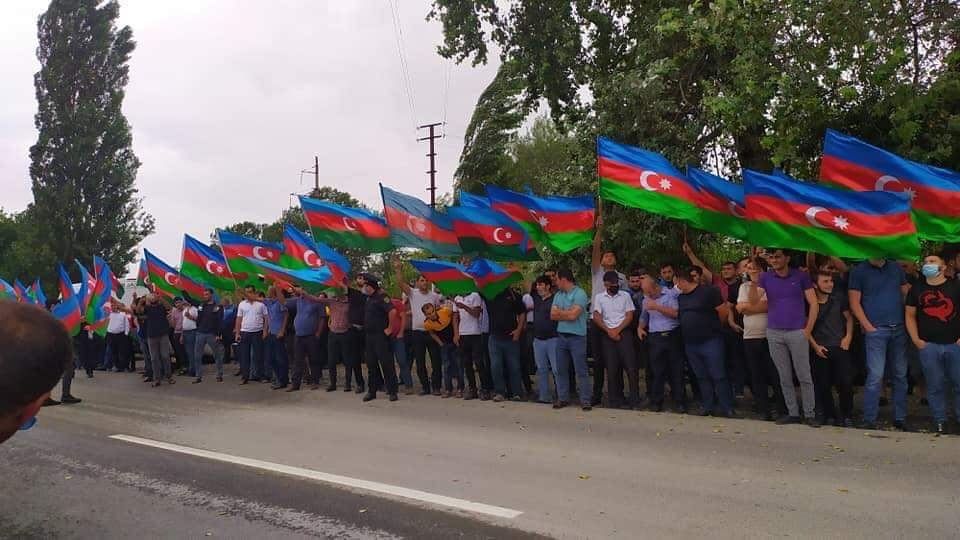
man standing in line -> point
(158, 337)
(176, 337)
(355, 335)
(467, 310)
(660, 328)
(376, 325)
(788, 290)
(601, 262)
(933, 321)
(249, 331)
(398, 345)
(422, 294)
(274, 347)
(830, 337)
(507, 318)
(569, 309)
(307, 324)
(226, 330)
(209, 319)
(118, 335)
(545, 343)
(763, 374)
(612, 312)
(876, 290)
(188, 338)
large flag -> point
(934, 192)
(721, 204)
(643, 179)
(790, 214)
(450, 279)
(37, 295)
(312, 279)
(489, 233)
(68, 312)
(65, 284)
(142, 279)
(346, 227)
(117, 285)
(7, 292)
(168, 281)
(88, 282)
(300, 251)
(560, 223)
(414, 224)
(238, 249)
(473, 201)
(96, 313)
(205, 265)
(491, 278)
(23, 294)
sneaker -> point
(244, 381)
(444, 394)
(332, 388)
(148, 379)
(69, 399)
(437, 393)
(469, 394)
(497, 398)
(484, 395)
(813, 422)
(848, 422)
(901, 425)
(787, 419)
(458, 393)
(282, 386)
(409, 390)
(393, 397)
(517, 398)
(938, 430)
(171, 380)
(587, 407)
(49, 402)
(369, 397)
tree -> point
(83, 167)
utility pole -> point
(316, 175)
(433, 164)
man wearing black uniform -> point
(377, 331)
(356, 335)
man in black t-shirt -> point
(830, 339)
(381, 372)
(507, 319)
(158, 327)
(933, 323)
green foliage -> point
(83, 167)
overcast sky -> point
(229, 100)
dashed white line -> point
(376, 487)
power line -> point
(405, 76)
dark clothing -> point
(699, 320)
(120, 350)
(358, 301)
(422, 344)
(619, 356)
(353, 358)
(937, 311)
(543, 327)
(156, 319)
(251, 355)
(381, 372)
(471, 358)
(306, 352)
(666, 365)
(763, 376)
(338, 350)
(377, 314)
(504, 309)
(209, 318)
(831, 325)
(834, 370)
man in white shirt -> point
(188, 338)
(467, 312)
(249, 331)
(118, 336)
(419, 296)
(601, 262)
(612, 313)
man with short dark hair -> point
(423, 345)
(34, 352)
(154, 310)
(569, 309)
(612, 312)
(660, 328)
(381, 374)
(667, 275)
(209, 319)
(507, 317)
(601, 262)
(249, 331)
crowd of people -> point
(766, 324)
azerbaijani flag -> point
(238, 249)
(88, 283)
(934, 192)
(643, 179)
(65, 283)
(790, 214)
(36, 294)
(142, 279)
(23, 294)
(7, 292)
(314, 280)
(68, 312)
(346, 227)
(450, 279)
(300, 251)
(164, 278)
(117, 285)
(491, 278)
(97, 315)
(205, 265)
(721, 204)
(473, 201)
(414, 224)
(487, 232)
(560, 223)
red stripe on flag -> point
(859, 178)
(653, 181)
(448, 274)
(760, 207)
(346, 224)
(556, 222)
(716, 203)
(491, 234)
(418, 226)
(233, 251)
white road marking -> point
(376, 487)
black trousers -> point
(736, 369)
(528, 364)
(306, 353)
(422, 345)
(182, 361)
(666, 365)
(119, 350)
(834, 370)
(227, 340)
(599, 365)
(356, 350)
(380, 366)
(486, 372)
(763, 376)
(619, 355)
(471, 358)
(91, 351)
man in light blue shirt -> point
(570, 311)
(274, 348)
(658, 325)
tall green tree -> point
(83, 167)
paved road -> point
(565, 474)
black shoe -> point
(348, 388)
(49, 402)
(924, 402)
(244, 381)
(359, 389)
(848, 423)
(369, 397)
(197, 380)
(940, 429)
(728, 414)
(484, 395)
(814, 422)
(901, 425)
(884, 401)
(705, 413)
(331, 388)
(586, 407)
(787, 419)
(277, 386)
(393, 397)
(867, 425)
(293, 389)
(219, 379)
(560, 404)
(769, 417)
(656, 407)
(89, 374)
(68, 399)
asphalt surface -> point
(571, 474)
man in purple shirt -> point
(787, 288)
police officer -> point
(376, 325)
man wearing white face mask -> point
(933, 322)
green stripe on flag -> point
(723, 223)
(351, 240)
(651, 201)
(828, 242)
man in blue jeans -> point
(250, 329)
(545, 343)
(274, 347)
(570, 311)
(933, 322)
(209, 320)
(877, 288)
(507, 319)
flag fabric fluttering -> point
(237, 250)
(346, 227)
(934, 193)
(206, 265)
(473, 201)
(7, 291)
(88, 283)
(142, 275)
(721, 204)
(560, 223)
(314, 280)
(65, 284)
(790, 214)
(97, 314)
(37, 295)
(68, 312)
(489, 233)
(23, 294)
(117, 285)
(166, 280)
(646, 180)
(414, 224)
(449, 278)
(491, 278)
(301, 251)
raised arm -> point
(398, 275)
(694, 260)
(597, 252)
